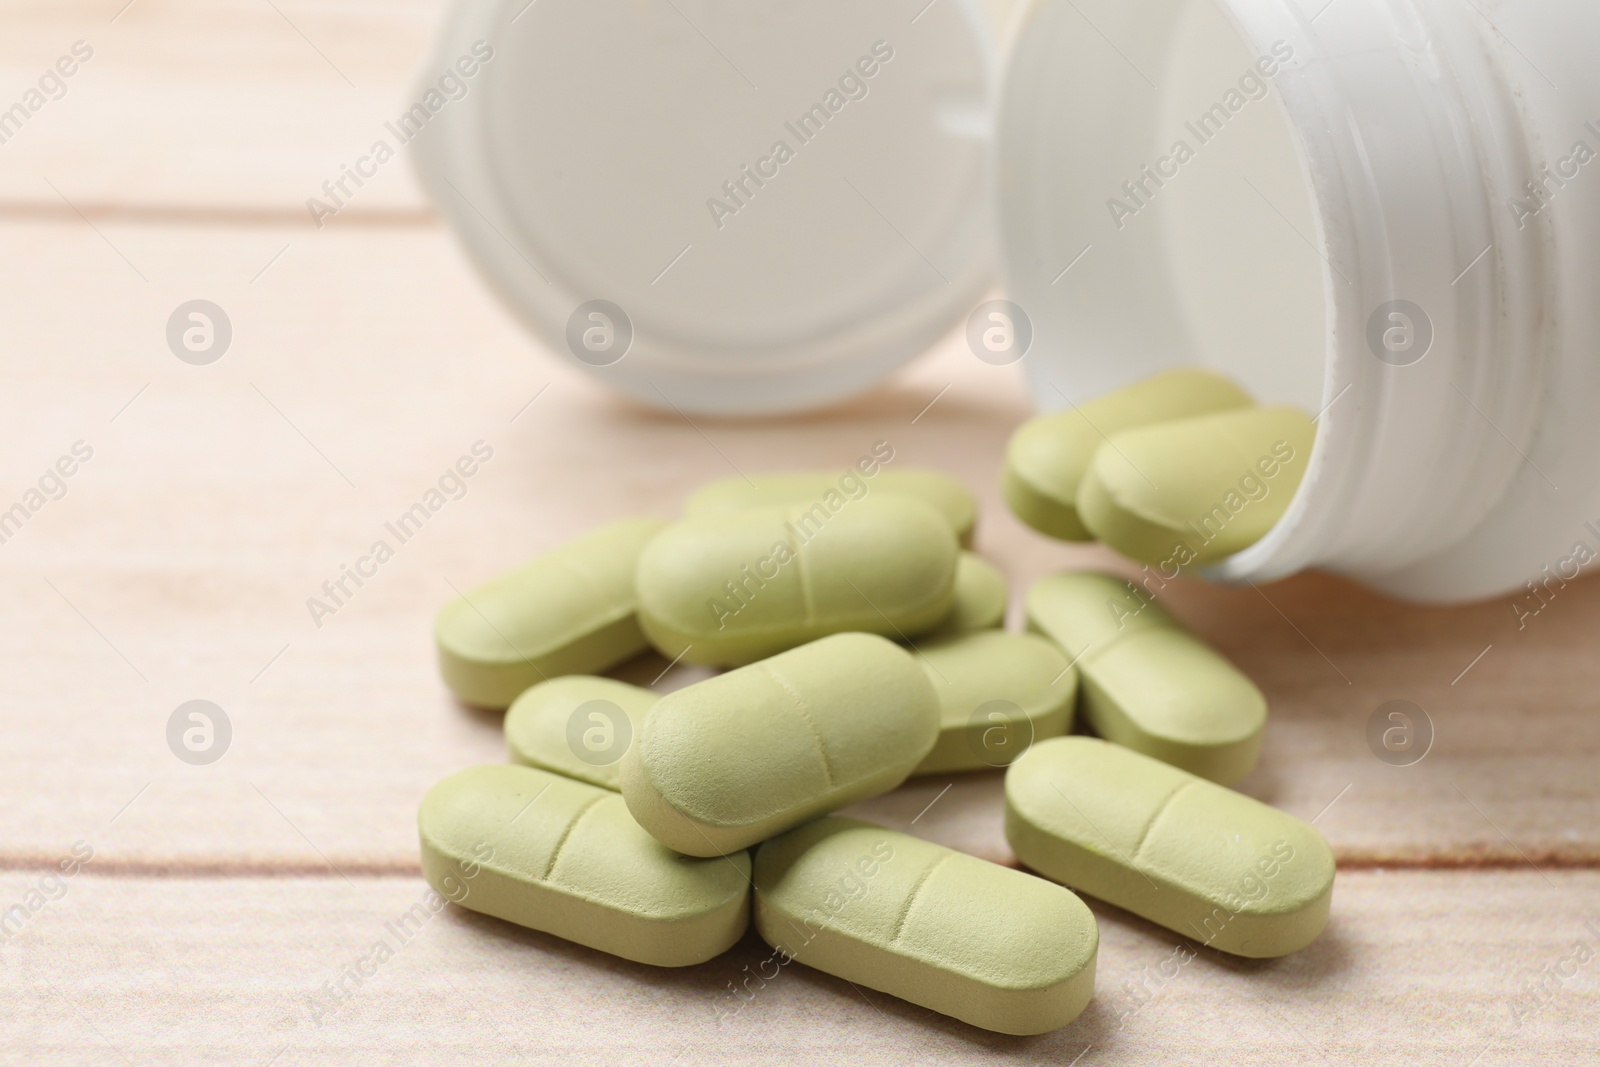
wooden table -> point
(230, 912)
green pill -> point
(571, 611)
(820, 492)
(1149, 684)
(1196, 490)
(982, 594)
(577, 725)
(564, 857)
(1201, 860)
(988, 945)
(733, 588)
(998, 693)
(1048, 456)
(735, 759)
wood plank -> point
(179, 564)
(1415, 968)
(195, 105)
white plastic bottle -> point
(1385, 211)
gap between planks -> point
(218, 215)
(228, 869)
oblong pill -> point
(831, 489)
(577, 725)
(1048, 456)
(988, 945)
(982, 595)
(1201, 860)
(730, 589)
(1149, 684)
(565, 857)
(570, 611)
(998, 693)
(732, 760)
(1196, 490)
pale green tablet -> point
(571, 611)
(731, 588)
(831, 490)
(1148, 683)
(982, 594)
(737, 758)
(1049, 455)
(1204, 861)
(998, 693)
(988, 945)
(1196, 490)
(577, 725)
(564, 857)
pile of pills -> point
(862, 645)
(1179, 469)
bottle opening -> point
(1155, 207)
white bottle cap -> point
(723, 207)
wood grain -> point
(1416, 968)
